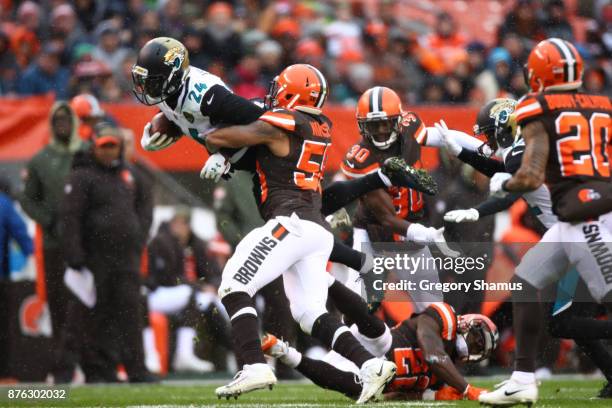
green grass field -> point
(554, 393)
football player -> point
(497, 122)
(392, 214)
(291, 142)
(198, 102)
(566, 135)
(424, 348)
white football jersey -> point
(539, 200)
(187, 114)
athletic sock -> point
(245, 330)
(341, 193)
(598, 352)
(345, 255)
(327, 376)
(354, 308)
(292, 358)
(527, 322)
(329, 330)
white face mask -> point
(462, 348)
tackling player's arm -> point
(485, 165)
(428, 337)
(380, 204)
(531, 174)
(255, 133)
(224, 107)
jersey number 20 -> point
(311, 164)
(582, 150)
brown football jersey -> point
(293, 183)
(578, 167)
(365, 158)
(413, 372)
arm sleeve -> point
(341, 193)
(493, 205)
(32, 199)
(229, 108)
(18, 231)
(72, 210)
(434, 139)
(485, 165)
(514, 158)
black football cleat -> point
(403, 175)
(606, 391)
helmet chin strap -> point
(387, 143)
(462, 347)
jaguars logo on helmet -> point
(496, 121)
(160, 69)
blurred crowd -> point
(87, 177)
(70, 47)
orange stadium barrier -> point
(24, 130)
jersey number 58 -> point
(311, 165)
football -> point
(163, 125)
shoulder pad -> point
(359, 161)
(529, 107)
(281, 118)
(445, 315)
(413, 126)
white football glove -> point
(340, 218)
(458, 216)
(156, 141)
(449, 142)
(216, 166)
(429, 235)
(496, 184)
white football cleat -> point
(510, 393)
(252, 377)
(375, 374)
